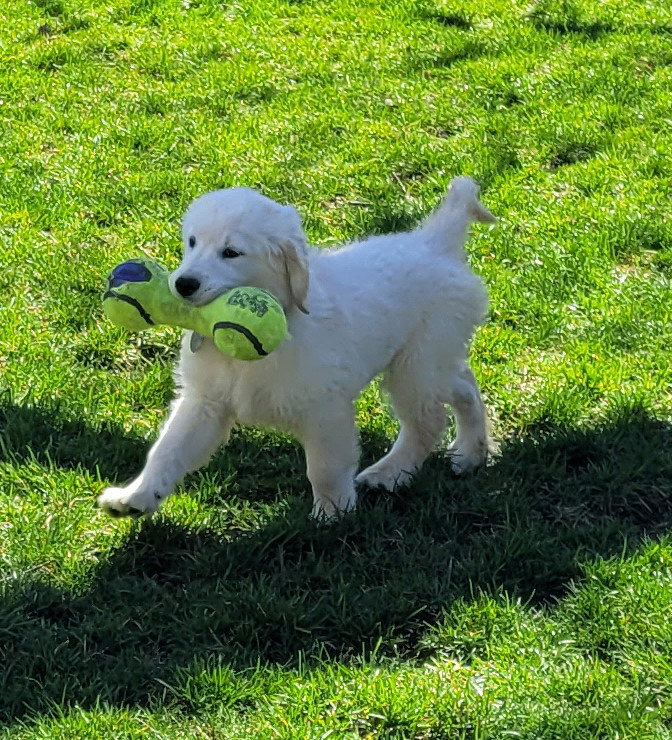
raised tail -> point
(447, 226)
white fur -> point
(404, 305)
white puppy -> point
(404, 305)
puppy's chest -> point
(261, 392)
(267, 402)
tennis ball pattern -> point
(245, 323)
(254, 327)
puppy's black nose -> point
(187, 286)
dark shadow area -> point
(466, 50)
(570, 23)
(51, 7)
(591, 30)
(42, 434)
(573, 153)
(172, 594)
(392, 221)
(451, 20)
(664, 29)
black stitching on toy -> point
(132, 302)
(244, 331)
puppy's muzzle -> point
(187, 286)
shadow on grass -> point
(41, 434)
(591, 30)
(172, 595)
(571, 22)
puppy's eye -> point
(192, 241)
(229, 254)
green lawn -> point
(532, 600)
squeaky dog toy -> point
(245, 323)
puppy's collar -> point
(195, 341)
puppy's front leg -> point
(332, 454)
(193, 431)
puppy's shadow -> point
(173, 594)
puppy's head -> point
(236, 238)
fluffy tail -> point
(447, 226)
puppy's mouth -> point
(201, 297)
(206, 296)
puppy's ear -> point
(292, 256)
(295, 265)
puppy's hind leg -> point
(472, 444)
(192, 432)
(423, 418)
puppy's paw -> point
(327, 510)
(384, 476)
(132, 501)
(467, 459)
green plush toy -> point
(245, 323)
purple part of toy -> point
(129, 272)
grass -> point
(531, 600)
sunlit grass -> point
(529, 601)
